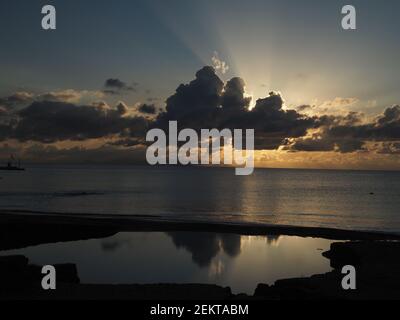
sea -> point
(353, 200)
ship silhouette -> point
(13, 165)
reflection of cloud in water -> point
(205, 246)
(273, 240)
(230, 243)
(110, 245)
(114, 243)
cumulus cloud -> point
(233, 96)
(204, 102)
(219, 64)
(207, 103)
(196, 104)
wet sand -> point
(25, 226)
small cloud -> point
(122, 108)
(20, 99)
(116, 86)
(339, 102)
(304, 107)
(219, 64)
(152, 99)
(147, 108)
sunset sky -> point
(88, 91)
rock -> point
(16, 274)
(341, 254)
(67, 273)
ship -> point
(13, 165)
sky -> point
(127, 59)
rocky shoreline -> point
(377, 264)
(375, 256)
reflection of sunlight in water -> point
(216, 269)
(247, 241)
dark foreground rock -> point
(18, 278)
(22, 281)
(16, 235)
(377, 266)
(67, 291)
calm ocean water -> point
(363, 200)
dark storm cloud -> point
(233, 95)
(196, 104)
(304, 107)
(39, 153)
(15, 99)
(326, 143)
(347, 134)
(128, 142)
(55, 121)
(147, 108)
(385, 127)
(206, 103)
(122, 108)
(116, 86)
